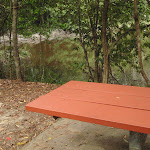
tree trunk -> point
(104, 42)
(10, 46)
(94, 22)
(10, 56)
(96, 66)
(136, 19)
(41, 55)
(96, 53)
(82, 43)
(15, 41)
(94, 31)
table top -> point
(119, 106)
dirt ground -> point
(18, 126)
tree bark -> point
(10, 46)
(94, 32)
(104, 42)
(136, 19)
(10, 56)
(15, 41)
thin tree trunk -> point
(94, 32)
(41, 55)
(4, 47)
(10, 46)
(15, 41)
(43, 72)
(104, 42)
(10, 56)
(96, 54)
(94, 23)
(110, 72)
(83, 45)
(96, 64)
(136, 19)
(100, 70)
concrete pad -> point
(67, 134)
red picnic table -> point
(119, 106)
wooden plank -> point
(109, 88)
(100, 97)
(118, 117)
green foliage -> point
(68, 62)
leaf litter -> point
(18, 126)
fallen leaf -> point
(17, 126)
(1, 148)
(2, 129)
(22, 143)
(8, 138)
(23, 101)
(49, 138)
(124, 138)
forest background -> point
(103, 41)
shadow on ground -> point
(67, 134)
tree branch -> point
(110, 72)
(136, 19)
(124, 34)
(82, 43)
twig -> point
(122, 35)
(110, 71)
